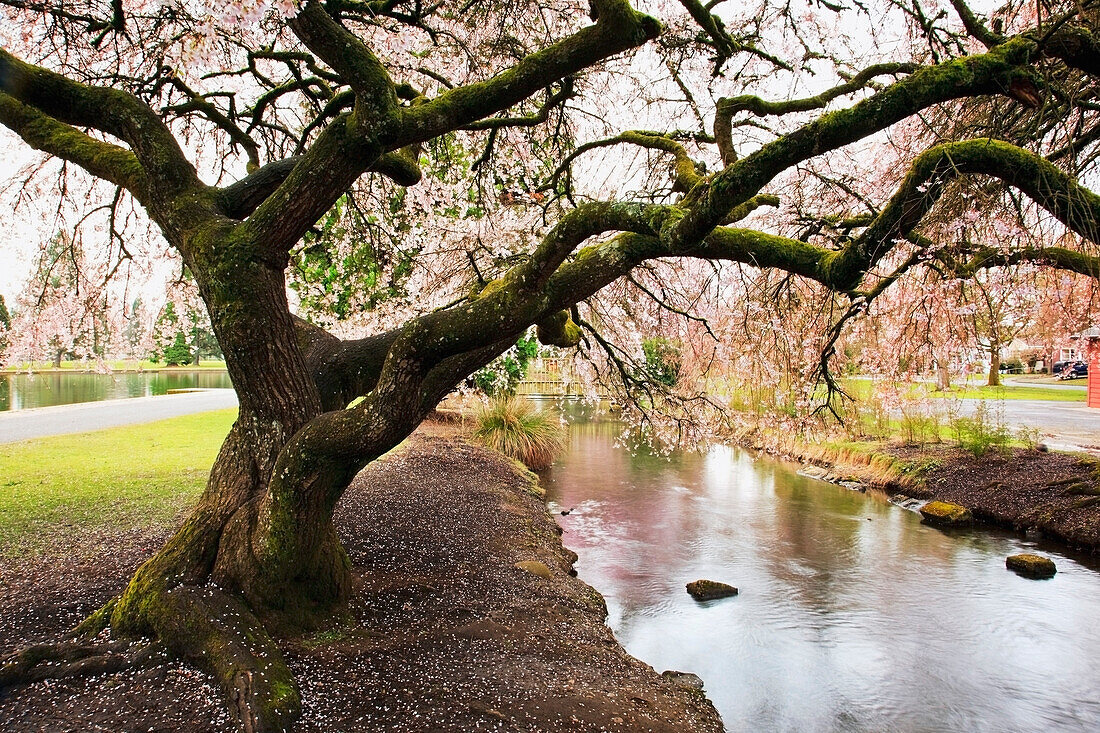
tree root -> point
(217, 633)
(1063, 482)
(73, 659)
(205, 626)
(97, 622)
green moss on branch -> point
(990, 73)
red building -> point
(1090, 344)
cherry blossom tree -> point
(436, 179)
(62, 311)
(1068, 306)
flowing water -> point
(852, 616)
(24, 391)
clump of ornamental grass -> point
(519, 430)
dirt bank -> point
(1055, 495)
(446, 633)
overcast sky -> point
(18, 241)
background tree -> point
(181, 333)
(134, 331)
(251, 134)
(1067, 307)
(5, 326)
(62, 312)
(1003, 307)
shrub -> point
(662, 361)
(501, 376)
(519, 430)
(918, 429)
(982, 432)
(1032, 438)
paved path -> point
(1062, 425)
(1066, 385)
(79, 418)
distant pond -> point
(852, 616)
(24, 391)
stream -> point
(852, 615)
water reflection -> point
(24, 391)
(852, 615)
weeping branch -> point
(965, 262)
(618, 28)
(996, 71)
(69, 104)
(729, 106)
(197, 103)
(553, 100)
(102, 159)
(665, 305)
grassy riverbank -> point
(54, 490)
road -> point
(80, 418)
(1063, 425)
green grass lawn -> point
(59, 488)
(861, 389)
(1014, 392)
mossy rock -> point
(684, 679)
(709, 590)
(1031, 566)
(946, 514)
(535, 568)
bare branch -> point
(976, 27)
(685, 174)
(553, 99)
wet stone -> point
(684, 679)
(708, 590)
(1031, 566)
(946, 514)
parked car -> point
(1058, 366)
(1074, 370)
